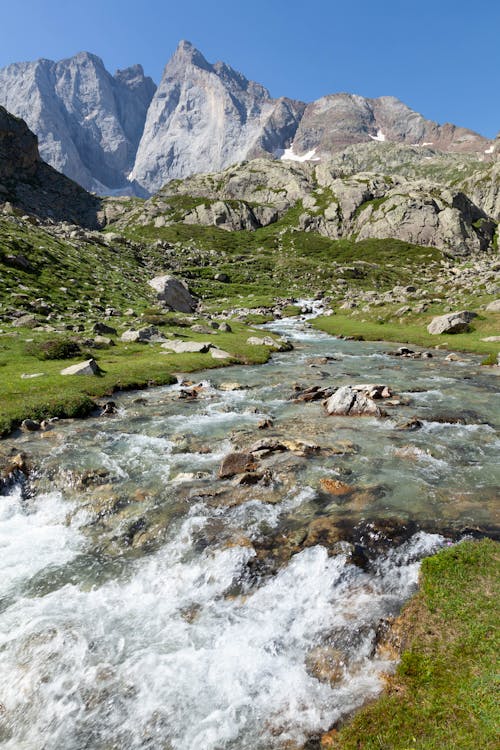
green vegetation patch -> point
(444, 695)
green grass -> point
(413, 330)
(124, 366)
(444, 695)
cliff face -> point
(88, 122)
(33, 186)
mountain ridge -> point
(122, 134)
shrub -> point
(54, 349)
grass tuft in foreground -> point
(444, 695)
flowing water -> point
(145, 603)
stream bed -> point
(147, 603)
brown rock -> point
(334, 487)
(322, 531)
(326, 664)
(237, 463)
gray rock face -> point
(88, 122)
(365, 205)
(205, 117)
(451, 323)
(339, 120)
(174, 293)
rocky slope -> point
(88, 122)
(118, 134)
(29, 184)
(317, 198)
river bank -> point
(153, 572)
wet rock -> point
(237, 463)
(301, 447)
(326, 664)
(109, 409)
(323, 531)
(265, 424)
(13, 469)
(266, 446)
(335, 487)
(30, 425)
(451, 323)
(343, 448)
(92, 477)
(89, 367)
(410, 424)
(347, 401)
(313, 393)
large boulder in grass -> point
(187, 347)
(89, 367)
(174, 293)
(457, 322)
(347, 401)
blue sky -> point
(442, 58)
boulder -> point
(184, 347)
(236, 463)
(457, 322)
(493, 306)
(103, 328)
(347, 401)
(30, 425)
(220, 354)
(174, 293)
(25, 321)
(89, 367)
(143, 335)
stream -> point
(146, 603)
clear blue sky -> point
(442, 57)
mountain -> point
(204, 117)
(122, 135)
(29, 184)
(88, 122)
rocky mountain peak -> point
(187, 54)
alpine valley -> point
(281, 322)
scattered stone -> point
(174, 293)
(183, 347)
(89, 367)
(347, 401)
(220, 354)
(411, 424)
(493, 306)
(28, 376)
(492, 339)
(236, 463)
(451, 323)
(143, 335)
(30, 425)
(335, 487)
(109, 409)
(225, 328)
(452, 357)
(104, 328)
(222, 277)
(25, 321)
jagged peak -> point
(187, 54)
